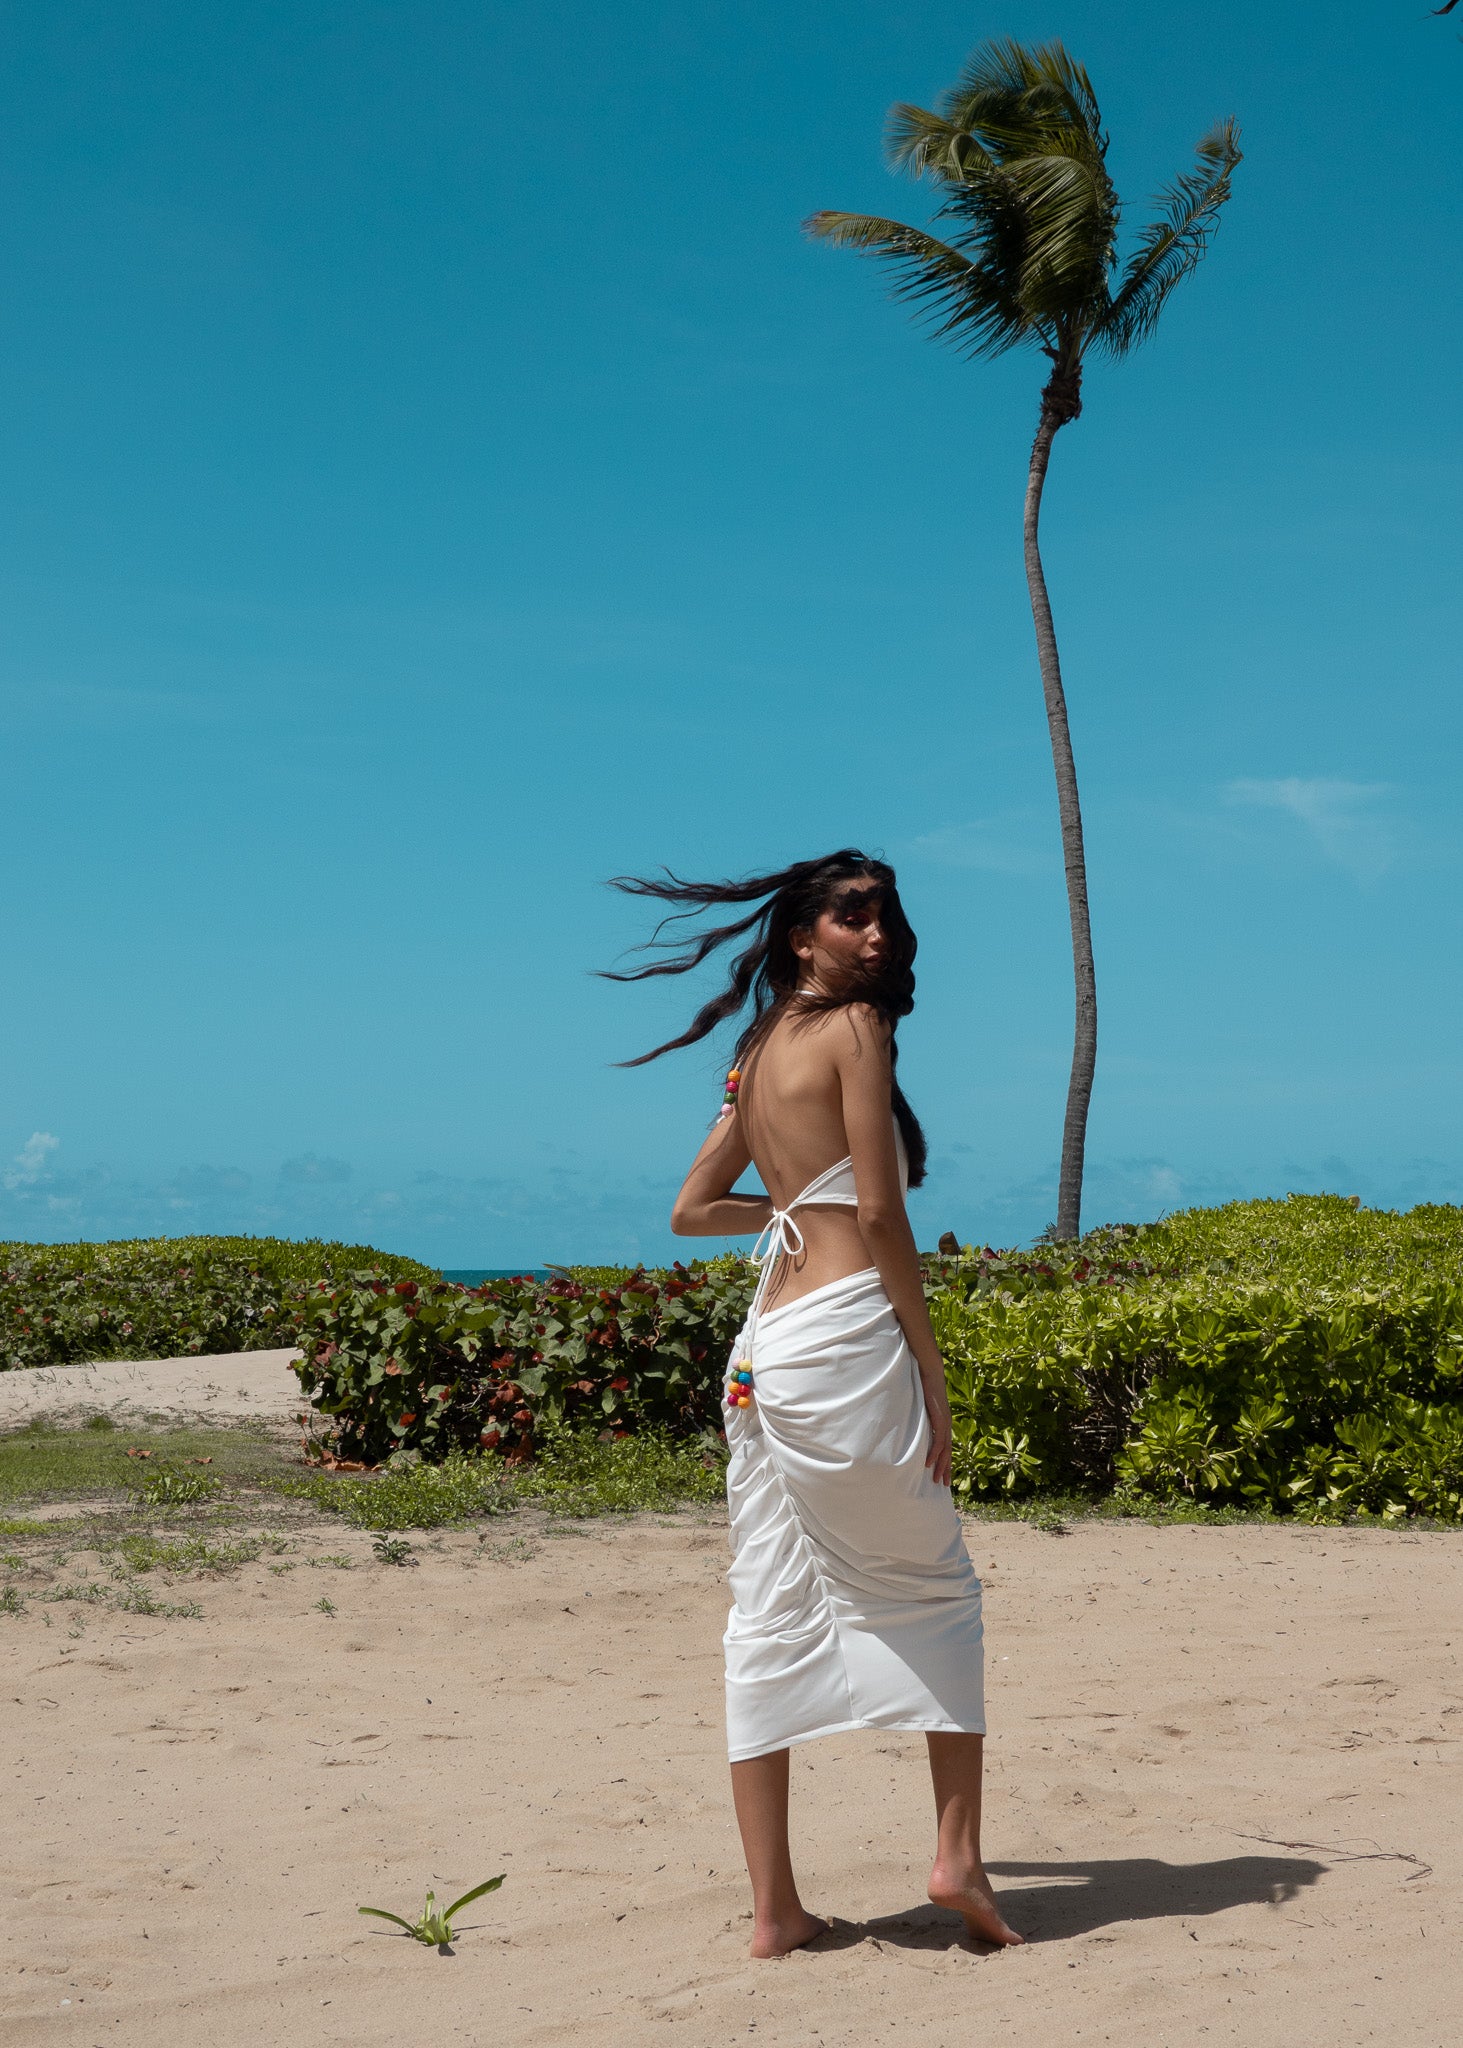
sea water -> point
(475, 1276)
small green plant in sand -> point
(435, 1927)
(136, 1599)
(393, 1550)
(187, 1554)
(176, 1489)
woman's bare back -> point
(791, 1110)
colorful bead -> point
(744, 1400)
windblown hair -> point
(767, 970)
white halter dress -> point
(855, 1604)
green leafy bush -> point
(1303, 1356)
(1311, 1241)
(402, 1365)
(165, 1297)
(1235, 1358)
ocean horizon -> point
(478, 1276)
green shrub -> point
(1303, 1356)
(165, 1297)
(433, 1367)
(1311, 1241)
(1303, 1392)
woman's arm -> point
(867, 1078)
(706, 1206)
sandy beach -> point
(227, 1386)
(1223, 1796)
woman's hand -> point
(937, 1408)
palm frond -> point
(966, 300)
(1068, 214)
(919, 141)
(1007, 93)
(1170, 246)
(1028, 218)
(1068, 83)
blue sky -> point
(438, 475)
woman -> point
(855, 1604)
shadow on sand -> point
(1078, 1898)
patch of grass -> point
(166, 1488)
(575, 1473)
(44, 1462)
(188, 1554)
(517, 1550)
(1054, 1512)
(89, 1596)
(12, 1601)
(138, 1600)
(414, 1497)
(324, 1606)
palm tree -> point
(1019, 153)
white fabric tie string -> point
(780, 1236)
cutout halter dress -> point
(855, 1604)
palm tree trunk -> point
(1061, 401)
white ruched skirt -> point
(855, 1604)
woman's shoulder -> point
(847, 1031)
(857, 1025)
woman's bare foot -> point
(781, 1937)
(975, 1902)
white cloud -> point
(1341, 817)
(308, 1170)
(30, 1160)
(1002, 845)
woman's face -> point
(847, 941)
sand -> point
(1224, 1794)
(230, 1386)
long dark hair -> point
(767, 970)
